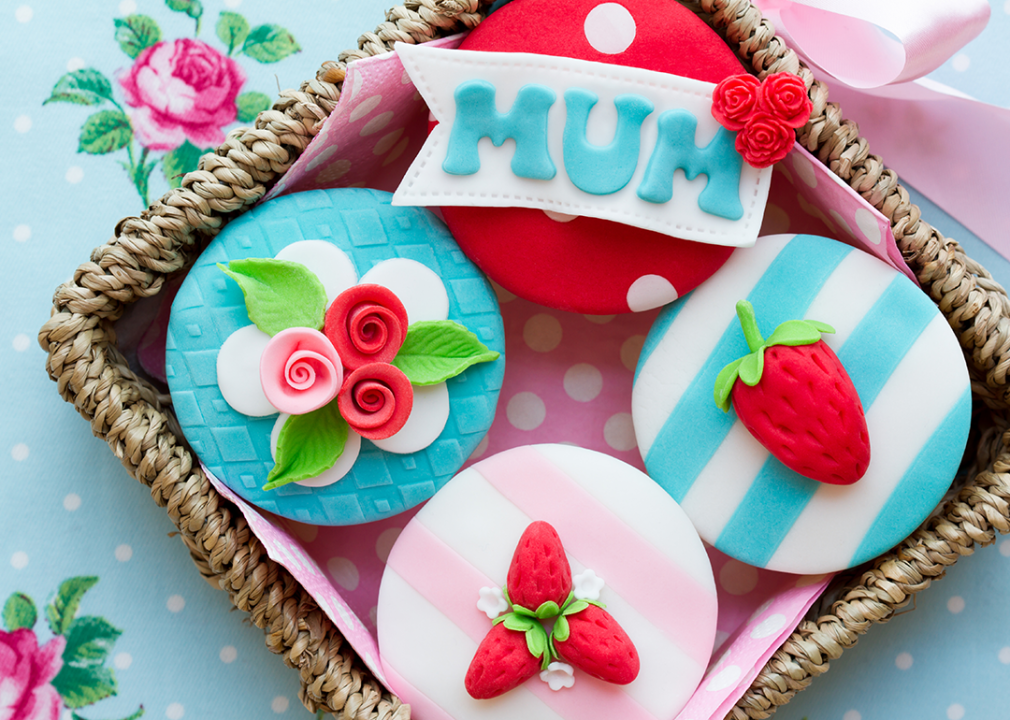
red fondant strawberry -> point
(591, 640)
(539, 571)
(503, 661)
(796, 399)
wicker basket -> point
(136, 420)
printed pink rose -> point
(300, 370)
(376, 400)
(765, 140)
(785, 96)
(182, 89)
(25, 674)
(366, 324)
(734, 100)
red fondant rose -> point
(26, 671)
(735, 100)
(764, 140)
(366, 324)
(785, 96)
(182, 89)
(376, 400)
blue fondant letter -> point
(526, 123)
(675, 149)
(603, 170)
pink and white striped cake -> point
(612, 519)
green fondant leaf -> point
(250, 105)
(136, 33)
(499, 619)
(519, 623)
(525, 612)
(505, 594)
(19, 612)
(577, 606)
(436, 350)
(279, 294)
(89, 642)
(536, 640)
(308, 445)
(104, 132)
(86, 86)
(822, 327)
(793, 333)
(80, 686)
(232, 29)
(548, 609)
(751, 367)
(561, 629)
(597, 603)
(61, 611)
(269, 44)
(178, 162)
(724, 384)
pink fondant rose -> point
(366, 324)
(376, 400)
(182, 89)
(735, 100)
(300, 371)
(25, 674)
(785, 96)
(764, 140)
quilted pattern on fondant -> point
(209, 308)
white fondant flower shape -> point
(492, 603)
(587, 585)
(424, 297)
(558, 675)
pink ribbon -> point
(874, 54)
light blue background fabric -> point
(67, 507)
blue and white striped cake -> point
(902, 357)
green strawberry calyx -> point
(524, 620)
(750, 367)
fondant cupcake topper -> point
(539, 587)
(355, 375)
(796, 399)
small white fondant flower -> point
(558, 675)
(587, 585)
(492, 603)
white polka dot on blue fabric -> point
(123, 661)
(228, 654)
(75, 63)
(127, 7)
(22, 123)
(852, 715)
(961, 62)
(19, 560)
(175, 711)
(175, 604)
(1004, 547)
(124, 553)
(74, 174)
(1004, 655)
(22, 233)
(903, 661)
(955, 604)
(71, 502)
(279, 704)
(24, 14)
(20, 342)
(19, 452)
(955, 712)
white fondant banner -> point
(585, 138)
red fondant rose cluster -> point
(764, 114)
(367, 325)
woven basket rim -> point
(135, 420)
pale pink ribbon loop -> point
(870, 43)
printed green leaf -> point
(308, 445)
(89, 642)
(251, 104)
(104, 132)
(86, 86)
(436, 350)
(519, 623)
(232, 29)
(61, 611)
(176, 163)
(80, 686)
(798, 332)
(19, 612)
(269, 43)
(193, 8)
(134, 716)
(561, 629)
(136, 33)
(751, 368)
(548, 609)
(279, 294)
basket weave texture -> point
(137, 422)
